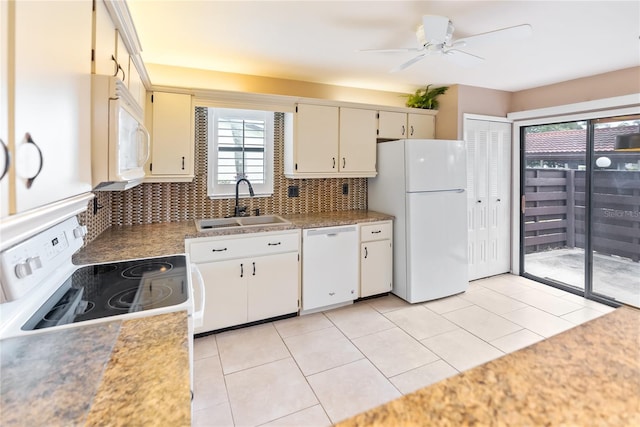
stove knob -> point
(34, 263)
(23, 270)
(80, 231)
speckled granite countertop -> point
(586, 376)
(330, 219)
(117, 373)
(149, 240)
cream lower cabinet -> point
(247, 277)
(376, 258)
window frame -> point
(224, 191)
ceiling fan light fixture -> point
(628, 142)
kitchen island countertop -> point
(118, 373)
(586, 376)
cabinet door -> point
(136, 87)
(421, 126)
(272, 286)
(5, 158)
(376, 259)
(357, 140)
(316, 139)
(104, 44)
(226, 294)
(51, 101)
(172, 142)
(122, 56)
(392, 125)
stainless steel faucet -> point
(242, 210)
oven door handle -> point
(198, 315)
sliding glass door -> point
(615, 217)
(580, 223)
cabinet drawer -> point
(272, 244)
(376, 231)
(246, 245)
(216, 250)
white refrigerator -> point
(422, 183)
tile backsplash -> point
(171, 202)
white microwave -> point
(120, 142)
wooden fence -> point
(555, 211)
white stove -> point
(43, 289)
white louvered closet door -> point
(488, 189)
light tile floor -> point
(318, 369)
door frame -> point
(518, 214)
(619, 105)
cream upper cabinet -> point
(46, 97)
(399, 125)
(357, 141)
(110, 54)
(172, 139)
(122, 58)
(136, 87)
(392, 125)
(421, 126)
(314, 148)
(330, 141)
(104, 41)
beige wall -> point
(447, 118)
(460, 99)
(607, 85)
(164, 75)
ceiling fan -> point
(435, 37)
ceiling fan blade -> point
(517, 32)
(408, 63)
(463, 58)
(398, 50)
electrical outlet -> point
(293, 191)
(345, 188)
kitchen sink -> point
(239, 222)
(261, 220)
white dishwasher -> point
(329, 266)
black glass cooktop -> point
(105, 290)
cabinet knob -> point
(332, 293)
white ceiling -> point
(317, 41)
